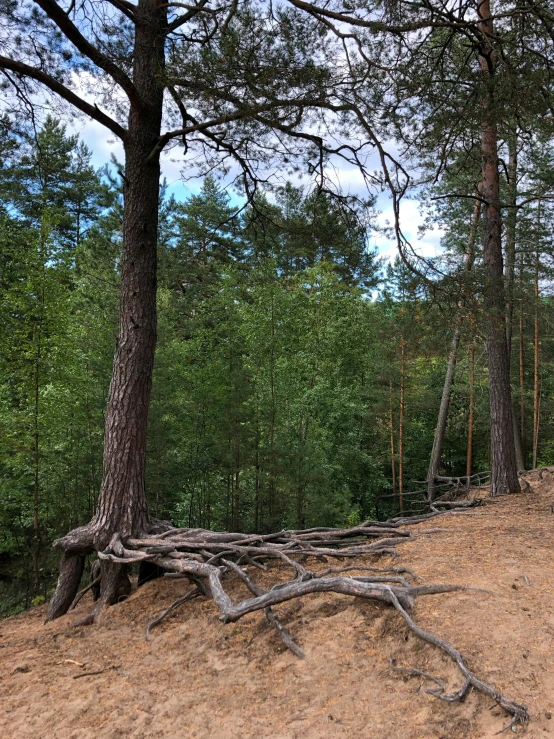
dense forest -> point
(298, 376)
(224, 381)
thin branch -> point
(25, 70)
(186, 17)
(125, 7)
(72, 33)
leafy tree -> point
(233, 78)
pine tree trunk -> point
(271, 486)
(122, 505)
(521, 382)
(236, 500)
(257, 474)
(37, 337)
(440, 431)
(401, 423)
(504, 478)
(36, 475)
(470, 423)
(511, 223)
(536, 396)
(392, 452)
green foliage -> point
(276, 373)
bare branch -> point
(125, 7)
(72, 33)
(186, 17)
(25, 70)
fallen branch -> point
(87, 674)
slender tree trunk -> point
(440, 431)
(536, 394)
(401, 422)
(36, 407)
(470, 423)
(236, 501)
(36, 477)
(511, 223)
(301, 479)
(504, 478)
(522, 381)
(228, 499)
(122, 505)
(518, 448)
(392, 452)
(271, 487)
(257, 475)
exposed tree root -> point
(207, 558)
(179, 602)
(93, 584)
(517, 710)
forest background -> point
(298, 377)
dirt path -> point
(199, 678)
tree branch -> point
(125, 7)
(72, 33)
(25, 70)
(189, 15)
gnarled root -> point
(71, 570)
(114, 587)
(205, 557)
(517, 711)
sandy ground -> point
(200, 678)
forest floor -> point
(201, 678)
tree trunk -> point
(257, 474)
(511, 223)
(536, 398)
(392, 453)
(401, 423)
(440, 432)
(522, 382)
(122, 505)
(504, 478)
(236, 499)
(470, 422)
(271, 486)
(518, 448)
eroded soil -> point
(200, 678)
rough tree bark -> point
(504, 477)
(122, 505)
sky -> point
(103, 144)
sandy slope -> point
(199, 678)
